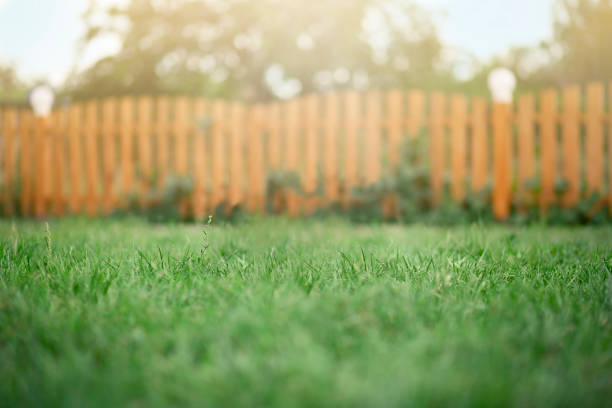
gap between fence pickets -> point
(91, 186)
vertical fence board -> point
(351, 140)
(479, 145)
(570, 145)
(436, 145)
(311, 136)
(199, 161)
(42, 165)
(526, 165)
(458, 146)
(59, 159)
(274, 136)
(416, 105)
(25, 129)
(76, 156)
(181, 160)
(218, 160)
(37, 176)
(162, 114)
(610, 148)
(594, 138)
(548, 141)
(332, 109)
(91, 156)
(8, 131)
(291, 155)
(394, 127)
(256, 179)
(236, 173)
(502, 160)
(373, 138)
(181, 119)
(145, 106)
(108, 154)
(127, 142)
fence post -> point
(501, 83)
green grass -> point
(304, 313)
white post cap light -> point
(41, 99)
(501, 84)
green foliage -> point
(228, 48)
(408, 188)
(103, 313)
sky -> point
(40, 37)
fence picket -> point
(109, 154)
(416, 105)
(127, 143)
(291, 155)
(59, 158)
(610, 148)
(274, 136)
(479, 145)
(394, 127)
(145, 106)
(43, 171)
(570, 145)
(199, 161)
(437, 145)
(373, 138)
(458, 146)
(351, 155)
(332, 108)
(218, 154)
(91, 156)
(76, 155)
(162, 113)
(502, 160)
(594, 138)
(548, 145)
(10, 149)
(256, 179)
(181, 118)
(311, 136)
(236, 173)
(526, 165)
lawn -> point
(304, 313)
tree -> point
(12, 88)
(258, 49)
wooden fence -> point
(88, 157)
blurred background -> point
(265, 49)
